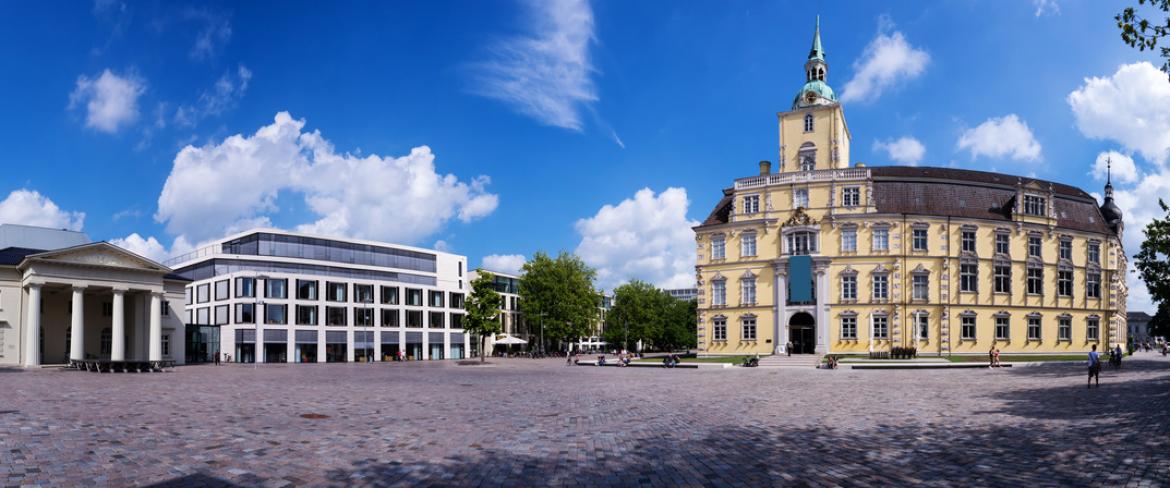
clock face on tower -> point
(810, 97)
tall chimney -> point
(765, 168)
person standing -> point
(217, 358)
(1094, 367)
(788, 348)
(991, 357)
(1118, 354)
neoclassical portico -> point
(788, 309)
(98, 301)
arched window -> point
(808, 122)
(821, 74)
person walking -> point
(1094, 367)
(217, 358)
(991, 357)
(788, 348)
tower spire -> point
(1108, 177)
(816, 52)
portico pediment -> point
(101, 254)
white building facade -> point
(64, 298)
(274, 296)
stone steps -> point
(793, 361)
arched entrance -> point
(802, 333)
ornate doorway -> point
(802, 333)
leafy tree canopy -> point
(644, 313)
(483, 309)
(1153, 260)
(1142, 33)
(558, 296)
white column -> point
(823, 318)
(349, 344)
(32, 328)
(291, 352)
(402, 337)
(118, 327)
(77, 325)
(447, 342)
(426, 339)
(155, 345)
(781, 304)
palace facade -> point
(824, 256)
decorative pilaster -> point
(155, 347)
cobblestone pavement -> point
(526, 422)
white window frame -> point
(884, 288)
(718, 247)
(747, 288)
(1035, 205)
(719, 292)
(880, 239)
(1093, 284)
(1064, 328)
(748, 324)
(849, 327)
(967, 240)
(810, 124)
(922, 326)
(849, 239)
(969, 281)
(747, 244)
(1003, 243)
(963, 325)
(920, 239)
(851, 196)
(1007, 328)
(1035, 324)
(882, 333)
(800, 198)
(920, 286)
(719, 329)
(849, 287)
(1093, 329)
(751, 204)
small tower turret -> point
(1109, 208)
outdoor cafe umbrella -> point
(509, 340)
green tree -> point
(638, 314)
(557, 296)
(1138, 31)
(679, 331)
(1153, 260)
(1160, 324)
(483, 309)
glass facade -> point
(285, 246)
(217, 267)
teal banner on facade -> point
(800, 279)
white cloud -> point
(1124, 169)
(1138, 202)
(647, 237)
(146, 247)
(505, 263)
(1132, 107)
(545, 75)
(224, 96)
(29, 207)
(1006, 136)
(905, 150)
(111, 101)
(213, 35)
(887, 60)
(235, 185)
(1044, 7)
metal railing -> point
(198, 253)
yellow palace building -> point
(825, 257)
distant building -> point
(684, 294)
(1138, 324)
(511, 320)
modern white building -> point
(268, 295)
(511, 321)
(684, 294)
(63, 297)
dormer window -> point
(808, 123)
(1035, 205)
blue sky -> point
(606, 128)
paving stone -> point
(537, 423)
